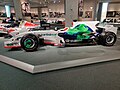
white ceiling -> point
(42, 3)
(33, 3)
(39, 3)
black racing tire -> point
(29, 42)
(108, 39)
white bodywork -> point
(49, 36)
(108, 27)
(22, 28)
(3, 29)
(17, 30)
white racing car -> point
(81, 32)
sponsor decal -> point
(48, 34)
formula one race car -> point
(81, 32)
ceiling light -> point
(49, 9)
(54, 2)
(91, 7)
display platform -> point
(52, 58)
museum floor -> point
(101, 76)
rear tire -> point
(108, 39)
(29, 42)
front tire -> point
(29, 42)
